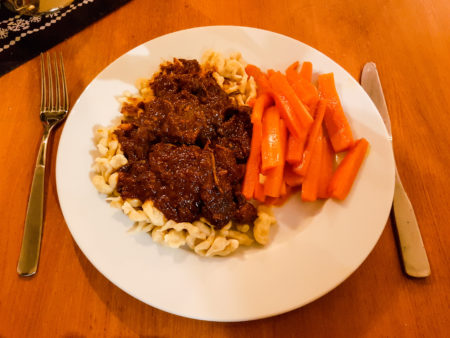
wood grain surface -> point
(409, 40)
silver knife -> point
(414, 256)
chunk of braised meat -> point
(135, 142)
(137, 181)
(218, 207)
(180, 66)
(183, 123)
(226, 168)
(236, 133)
(182, 171)
(198, 103)
(245, 212)
(131, 110)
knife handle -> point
(415, 260)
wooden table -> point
(409, 41)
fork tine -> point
(57, 84)
(43, 84)
(64, 84)
(50, 84)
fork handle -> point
(31, 242)
(414, 256)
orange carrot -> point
(291, 73)
(345, 174)
(295, 149)
(283, 188)
(306, 71)
(274, 177)
(307, 93)
(305, 90)
(291, 178)
(262, 102)
(311, 183)
(260, 78)
(271, 148)
(288, 115)
(335, 121)
(270, 72)
(253, 163)
(251, 102)
(281, 86)
(326, 168)
(259, 192)
(302, 168)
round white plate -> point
(315, 246)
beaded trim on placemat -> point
(18, 27)
(23, 37)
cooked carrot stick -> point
(253, 163)
(335, 121)
(291, 73)
(271, 148)
(307, 93)
(274, 177)
(291, 178)
(281, 86)
(326, 167)
(278, 201)
(288, 115)
(283, 188)
(262, 102)
(305, 90)
(251, 102)
(302, 168)
(311, 183)
(295, 149)
(270, 72)
(306, 71)
(261, 79)
(345, 174)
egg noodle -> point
(200, 236)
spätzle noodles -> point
(231, 76)
(200, 236)
(261, 228)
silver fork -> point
(54, 109)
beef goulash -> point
(187, 148)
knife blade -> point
(413, 254)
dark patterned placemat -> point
(24, 37)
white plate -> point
(315, 247)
